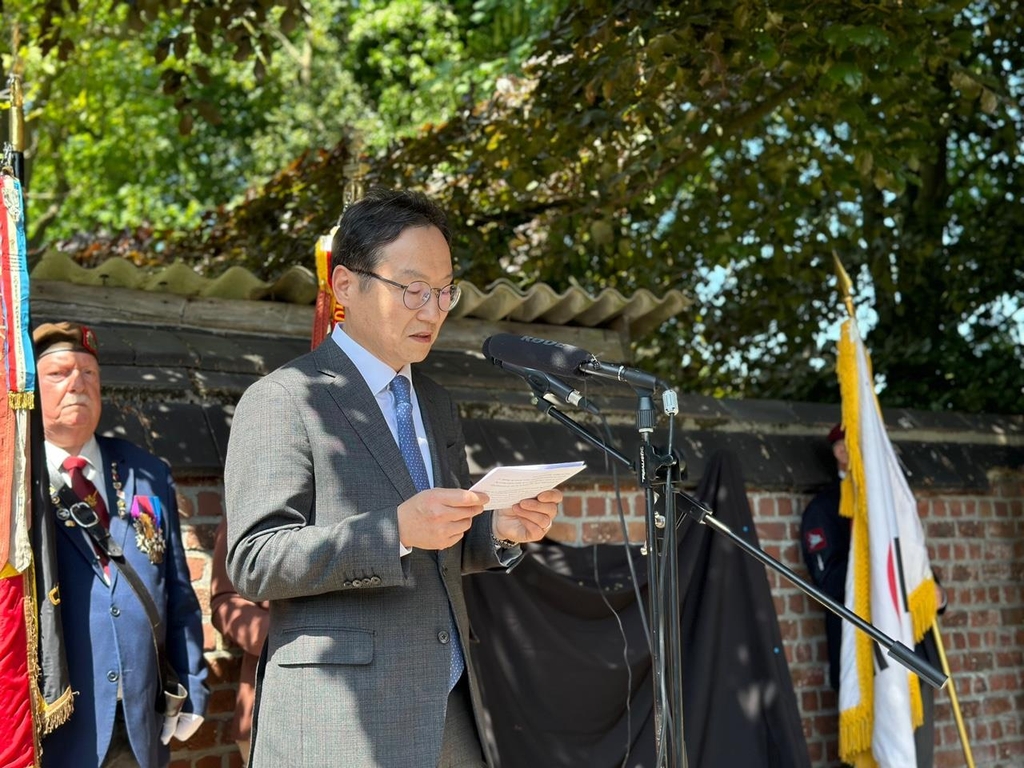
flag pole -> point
(328, 312)
(960, 727)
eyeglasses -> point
(417, 294)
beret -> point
(836, 434)
(65, 336)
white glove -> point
(172, 706)
(180, 727)
(188, 723)
(170, 723)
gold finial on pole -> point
(354, 171)
(17, 132)
(845, 285)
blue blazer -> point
(107, 635)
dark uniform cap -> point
(61, 337)
(836, 434)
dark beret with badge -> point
(64, 337)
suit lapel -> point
(359, 406)
(117, 472)
(120, 527)
(431, 411)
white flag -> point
(888, 581)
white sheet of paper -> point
(509, 485)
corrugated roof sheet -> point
(636, 314)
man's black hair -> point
(378, 219)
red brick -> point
(207, 736)
(597, 506)
(186, 508)
(637, 531)
(572, 506)
(198, 537)
(564, 532)
(773, 532)
(196, 567)
(221, 701)
(601, 533)
(210, 504)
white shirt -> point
(378, 375)
(93, 471)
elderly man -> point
(126, 597)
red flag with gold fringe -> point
(19, 747)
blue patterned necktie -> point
(410, 448)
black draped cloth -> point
(564, 685)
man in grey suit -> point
(347, 511)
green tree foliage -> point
(149, 114)
(727, 149)
(730, 148)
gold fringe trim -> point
(21, 401)
(47, 716)
(857, 723)
(916, 704)
(923, 605)
(57, 713)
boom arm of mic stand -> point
(545, 407)
(894, 648)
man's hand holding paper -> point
(524, 499)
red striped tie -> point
(84, 488)
(86, 491)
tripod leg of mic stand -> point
(654, 611)
(675, 644)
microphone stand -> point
(669, 634)
(662, 566)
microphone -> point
(544, 384)
(561, 359)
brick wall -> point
(976, 543)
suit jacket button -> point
(443, 637)
(112, 676)
(115, 611)
(375, 580)
(357, 582)
(346, 584)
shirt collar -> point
(90, 452)
(375, 372)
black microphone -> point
(544, 384)
(562, 360)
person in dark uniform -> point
(825, 541)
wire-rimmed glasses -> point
(416, 294)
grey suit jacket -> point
(356, 663)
